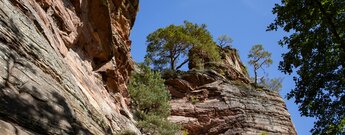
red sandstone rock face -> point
(232, 66)
(210, 103)
(226, 107)
(65, 64)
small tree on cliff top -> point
(204, 49)
(259, 57)
(168, 47)
(224, 41)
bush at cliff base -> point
(150, 102)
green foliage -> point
(205, 49)
(156, 125)
(259, 57)
(274, 84)
(203, 41)
(264, 133)
(168, 47)
(224, 41)
(317, 52)
(127, 132)
(194, 100)
(185, 132)
(148, 92)
(169, 74)
(150, 101)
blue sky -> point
(243, 20)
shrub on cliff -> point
(274, 84)
(156, 125)
(150, 100)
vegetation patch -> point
(150, 102)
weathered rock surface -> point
(64, 66)
(213, 102)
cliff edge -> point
(221, 100)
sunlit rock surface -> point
(64, 66)
(222, 101)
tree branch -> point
(177, 56)
(178, 67)
(329, 20)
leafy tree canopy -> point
(317, 52)
(166, 46)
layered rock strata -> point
(64, 66)
(222, 101)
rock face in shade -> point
(210, 102)
(64, 64)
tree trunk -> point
(172, 60)
(255, 78)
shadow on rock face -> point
(35, 107)
(36, 115)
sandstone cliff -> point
(64, 64)
(221, 100)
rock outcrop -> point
(64, 66)
(222, 101)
